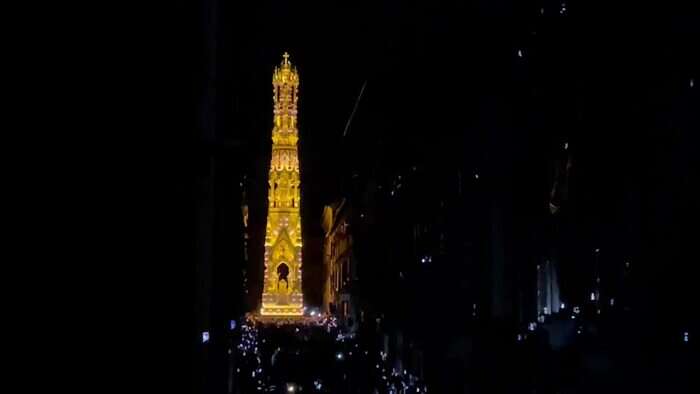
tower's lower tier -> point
(282, 304)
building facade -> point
(340, 266)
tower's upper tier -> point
(285, 75)
(285, 93)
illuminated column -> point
(282, 295)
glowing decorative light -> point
(597, 250)
(290, 388)
(339, 356)
(577, 309)
(520, 53)
(562, 306)
(476, 176)
(205, 336)
(566, 145)
(692, 82)
(612, 302)
(686, 337)
(282, 296)
(232, 324)
(592, 296)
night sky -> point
(498, 85)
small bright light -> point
(232, 324)
(597, 250)
(685, 337)
(566, 145)
(476, 176)
(692, 82)
(339, 356)
(577, 309)
(205, 336)
(520, 337)
(592, 296)
(291, 388)
(562, 306)
(612, 302)
(520, 53)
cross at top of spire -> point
(286, 58)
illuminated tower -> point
(282, 294)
